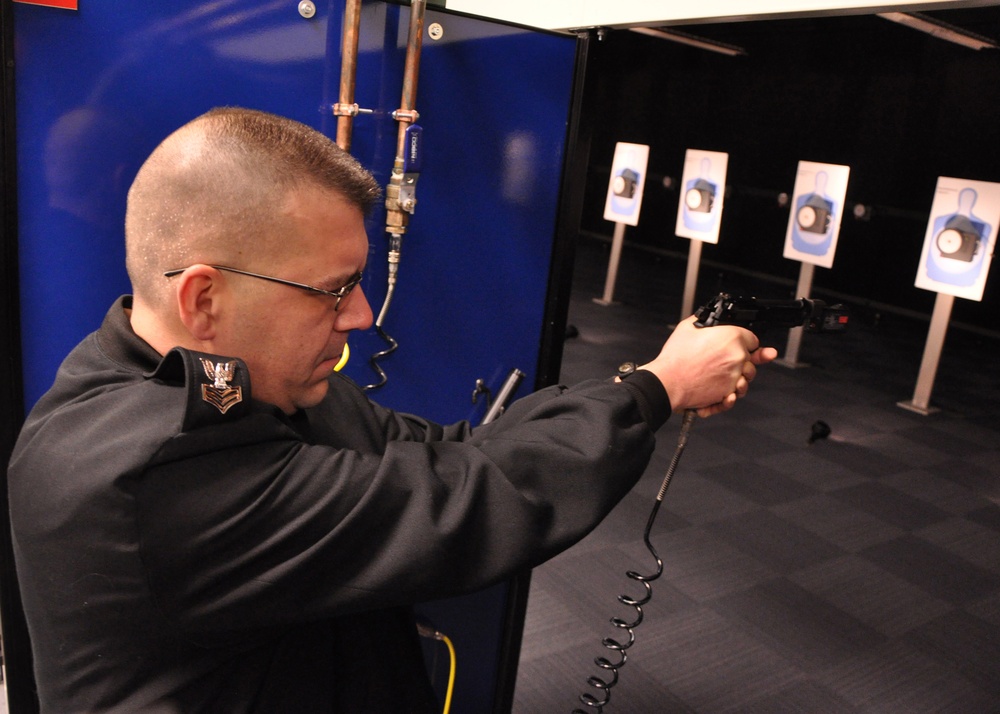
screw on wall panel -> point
(435, 31)
(307, 9)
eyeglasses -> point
(339, 293)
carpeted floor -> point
(858, 573)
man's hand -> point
(708, 369)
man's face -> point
(291, 339)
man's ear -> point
(200, 292)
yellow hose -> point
(451, 674)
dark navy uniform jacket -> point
(181, 547)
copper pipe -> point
(346, 109)
(398, 208)
(399, 201)
(406, 114)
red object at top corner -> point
(64, 4)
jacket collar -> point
(119, 342)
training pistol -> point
(759, 315)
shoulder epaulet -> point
(218, 388)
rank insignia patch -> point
(220, 394)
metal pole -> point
(932, 356)
(791, 358)
(507, 390)
(691, 280)
(616, 253)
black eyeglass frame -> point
(340, 293)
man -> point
(208, 518)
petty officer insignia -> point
(220, 394)
(217, 388)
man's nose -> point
(355, 313)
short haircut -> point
(215, 187)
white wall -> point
(570, 14)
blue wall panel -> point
(477, 252)
(97, 89)
(101, 87)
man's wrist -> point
(649, 393)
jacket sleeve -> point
(252, 526)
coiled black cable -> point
(604, 685)
(395, 243)
(373, 360)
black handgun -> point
(759, 315)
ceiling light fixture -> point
(939, 29)
(691, 40)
